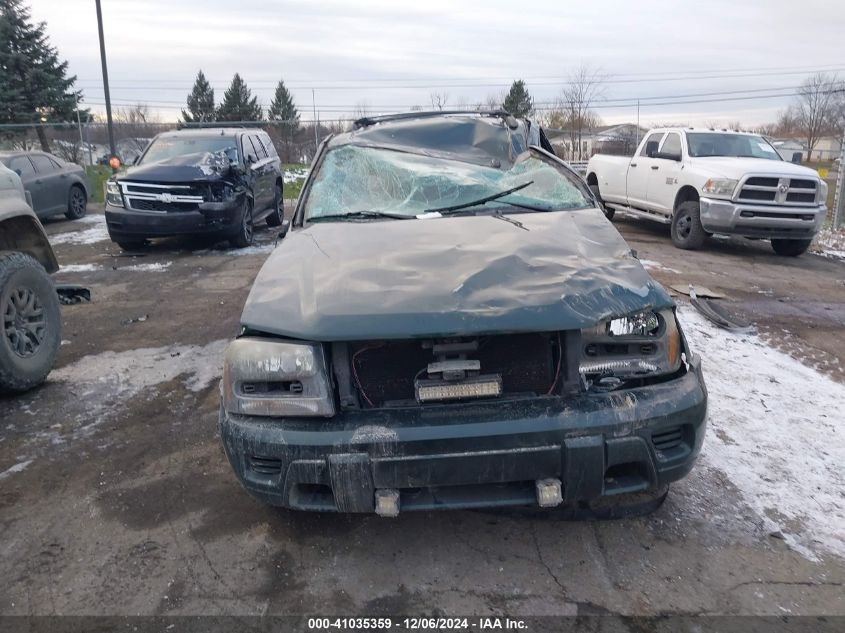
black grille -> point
(800, 197)
(756, 194)
(797, 183)
(759, 181)
(385, 371)
(162, 207)
(265, 465)
(667, 439)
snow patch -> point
(830, 243)
(294, 175)
(80, 268)
(97, 233)
(774, 430)
(653, 265)
(17, 468)
(148, 268)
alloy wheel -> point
(24, 325)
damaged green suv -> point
(452, 323)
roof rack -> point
(367, 121)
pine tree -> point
(238, 103)
(200, 102)
(34, 85)
(283, 109)
(518, 102)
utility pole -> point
(79, 126)
(106, 85)
(839, 198)
(314, 105)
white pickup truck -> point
(713, 181)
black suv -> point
(213, 181)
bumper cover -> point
(762, 221)
(473, 455)
(210, 218)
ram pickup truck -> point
(713, 181)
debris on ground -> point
(138, 319)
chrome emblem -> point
(165, 197)
(783, 187)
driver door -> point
(639, 171)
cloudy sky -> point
(733, 57)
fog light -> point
(549, 493)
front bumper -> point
(211, 218)
(761, 221)
(475, 454)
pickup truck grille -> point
(154, 198)
(780, 191)
(384, 371)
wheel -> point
(130, 245)
(687, 232)
(791, 248)
(32, 324)
(608, 213)
(245, 233)
(77, 203)
(278, 214)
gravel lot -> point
(116, 498)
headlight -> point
(113, 195)
(268, 377)
(822, 199)
(719, 187)
(638, 345)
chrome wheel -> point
(24, 325)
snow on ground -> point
(292, 175)
(17, 468)
(830, 243)
(653, 265)
(97, 231)
(156, 267)
(79, 268)
(774, 430)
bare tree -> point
(583, 89)
(362, 109)
(439, 100)
(815, 111)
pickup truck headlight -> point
(269, 377)
(113, 194)
(720, 187)
(639, 345)
(822, 199)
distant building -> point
(827, 148)
(619, 139)
(788, 148)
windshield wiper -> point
(360, 215)
(480, 201)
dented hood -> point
(448, 277)
(202, 166)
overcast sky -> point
(391, 54)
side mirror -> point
(796, 158)
(284, 227)
(651, 149)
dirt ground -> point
(116, 497)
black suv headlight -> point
(635, 346)
(113, 195)
(269, 377)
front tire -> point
(687, 232)
(278, 213)
(246, 230)
(77, 203)
(790, 248)
(608, 213)
(31, 323)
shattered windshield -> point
(353, 179)
(167, 147)
(711, 144)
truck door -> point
(639, 170)
(663, 175)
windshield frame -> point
(754, 138)
(299, 220)
(231, 137)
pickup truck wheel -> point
(246, 232)
(608, 213)
(687, 232)
(76, 203)
(791, 248)
(278, 213)
(31, 320)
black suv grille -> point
(384, 371)
(162, 207)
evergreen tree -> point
(200, 102)
(518, 102)
(238, 103)
(34, 85)
(284, 109)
